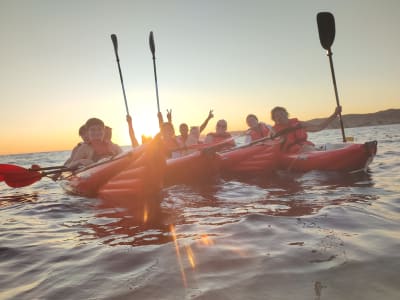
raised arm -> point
(209, 117)
(134, 141)
(323, 124)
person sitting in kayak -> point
(85, 139)
(220, 135)
(257, 130)
(96, 148)
(184, 129)
(172, 147)
(296, 138)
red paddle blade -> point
(16, 176)
(19, 179)
(6, 168)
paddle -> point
(153, 50)
(326, 29)
(115, 43)
(16, 176)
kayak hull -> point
(194, 167)
(346, 157)
(137, 173)
(255, 159)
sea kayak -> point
(337, 157)
(139, 172)
(197, 166)
(268, 157)
(250, 160)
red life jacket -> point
(294, 140)
(101, 150)
(218, 138)
(262, 130)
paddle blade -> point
(114, 41)
(326, 29)
(151, 43)
(20, 179)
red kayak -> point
(338, 157)
(194, 167)
(247, 160)
(139, 172)
(267, 158)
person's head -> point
(221, 126)
(167, 130)
(184, 129)
(83, 133)
(107, 134)
(95, 128)
(252, 120)
(279, 115)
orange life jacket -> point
(218, 138)
(262, 130)
(294, 140)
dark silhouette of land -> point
(384, 117)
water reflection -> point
(209, 205)
(143, 224)
(15, 198)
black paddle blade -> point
(326, 29)
(115, 41)
(151, 42)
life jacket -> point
(218, 138)
(101, 150)
(262, 130)
(294, 140)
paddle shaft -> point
(115, 43)
(329, 54)
(153, 50)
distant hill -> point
(385, 117)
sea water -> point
(315, 235)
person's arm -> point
(323, 124)
(160, 119)
(169, 116)
(134, 141)
(82, 157)
(204, 125)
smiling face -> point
(280, 115)
(221, 127)
(252, 121)
(184, 129)
(96, 133)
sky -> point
(58, 68)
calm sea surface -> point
(317, 235)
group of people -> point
(292, 132)
(96, 137)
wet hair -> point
(251, 116)
(278, 108)
(93, 122)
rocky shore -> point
(385, 117)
